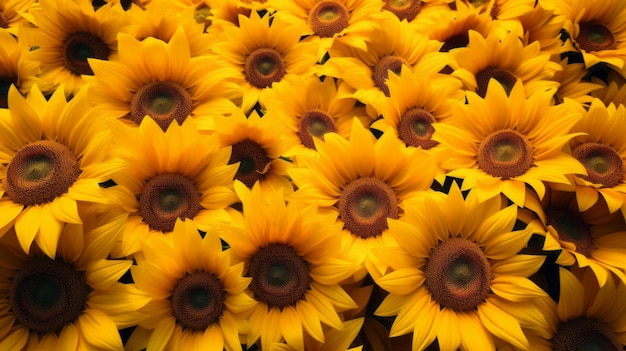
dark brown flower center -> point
(253, 161)
(572, 228)
(314, 124)
(584, 334)
(364, 206)
(263, 67)
(503, 76)
(280, 277)
(163, 101)
(381, 71)
(505, 153)
(456, 41)
(198, 301)
(458, 274)
(79, 47)
(328, 18)
(604, 165)
(404, 9)
(595, 37)
(5, 85)
(167, 197)
(39, 172)
(416, 128)
(47, 294)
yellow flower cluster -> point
(320, 175)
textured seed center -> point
(263, 67)
(253, 161)
(163, 101)
(572, 228)
(80, 46)
(381, 71)
(503, 76)
(416, 129)
(314, 124)
(505, 153)
(585, 334)
(328, 18)
(595, 37)
(604, 165)
(404, 9)
(198, 301)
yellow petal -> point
(291, 327)
(99, 331)
(27, 226)
(502, 325)
(161, 335)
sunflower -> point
(542, 24)
(14, 68)
(73, 302)
(312, 108)
(291, 252)
(257, 146)
(198, 292)
(171, 175)
(505, 60)
(163, 81)
(506, 13)
(67, 33)
(502, 143)
(53, 157)
(11, 15)
(263, 55)
(364, 182)
(458, 276)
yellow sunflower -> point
(15, 69)
(67, 33)
(364, 182)
(505, 60)
(11, 15)
(291, 252)
(198, 293)
(163, 81)
(264, 55)
(257, 146)
(542, 24)
(506, 13)
(458, 276)
(502, 143)
(73, 302)
(53, 157)
(171, 175)
(572, 83)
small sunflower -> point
(502, 143)
(161, 80)
(171, 175)
(458, 278)
(291, 252)
(264, 55)
(11, 15)
(198, 292)
(73, 302)
(542, 24)
(364, 182)
(53, 157)
(506, 13)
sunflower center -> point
(39, 172)
(458, 274)
(47, 294)
(604, 165)
(381, 71)
(595, 37)
(167, 197)
(572, 228)
(280, 277)
(586, 335)
(253, 161)
(198, 301)
(315, 123)
(80, 46)
(163, 101)
(455, 41)
(416, 128)
(263, 67)
(505, 153)
(5, 85)
(503, 76)
(328, 18)
(364, 206)
(404, 9)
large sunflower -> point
(53, 157)
(264, 55)
(502, 143)
(291, 253)
(457, 275)
(198, 293)
(161, 80)
(364, 182)
(73, 302)
(171, 175)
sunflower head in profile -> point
(167, 176)
(502, 143)
(198, 292)
(292, 255)
(67, 302)
(365, 182)
(163, 81)
(458, 277)
(53, 158)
